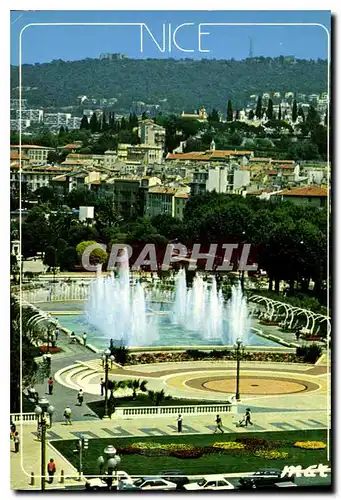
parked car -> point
(175, 476)
(217, 482)
(154, 483)
(262, 479)
(99, 483)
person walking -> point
(84, 338)
(13, 430)
(73, 337)
(56, 333)
(102, 387)
(179, 423)
(219, 425)
(50, 385)
(248, 417)
(67, 415)
(80, 397)
(16, 442)
(51, 470)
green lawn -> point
(143, 400)
(232, 461)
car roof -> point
(214, 477)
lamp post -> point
(43, 407)
(239, 349)
(113, 460)
(105, 359)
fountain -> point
(119, 311)
(202, 309)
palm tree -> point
(115, 385)
(157, 396)
(137, 385)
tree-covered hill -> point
(185, 84)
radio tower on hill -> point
(251, 49)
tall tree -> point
(258, 112)
(93, 123)
(84, 123)
(104, 122)
(214, 116)
(144, 116)
(251, 114)
(123, 123)
(279, 113)
(229, 115)
(294, 111)
(300, 113)
(237, 115)
(269, 111)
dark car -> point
(262, 478)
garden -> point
(207, 453)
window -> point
(221, 483)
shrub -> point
(271, 455)
(310, 353)
(193, 453)
(310, 445)
(121, 354)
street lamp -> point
(113, 460)
(41, 409)
(239, 349)
(105, 361)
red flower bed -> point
(53, 350)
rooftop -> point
(206, 155)
(306, 191)
(30, 146)
(18, 156)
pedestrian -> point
(102, 387)
(67, 415)
(179, 423)
(73, 337)
(50, 384)
(16, 442)
(56, 333)
(13, 430)
(53, 339)
(51, 470)
(80, 397)
(219, 425)
(248, 417)
(84, 338)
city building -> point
(34, 115)
(211, 155)
(33, 176)
(57, 120)
(152, 134)
(201, 116)
(315, 196)
(166, 200)
(37, 154)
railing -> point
(147, 411)
(23, 417)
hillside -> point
(185, 84)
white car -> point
(210, 483)
(98, 483)
(156, 483)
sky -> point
(44, 43)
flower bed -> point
(194, 355)
(310, 445)
(52, 350)
(271, 455)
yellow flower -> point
(271, 455)
(229, 445)
(310, 445)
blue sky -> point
(44, 43)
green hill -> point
(185, 84)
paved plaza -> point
(282, 396)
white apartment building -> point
(34, 115)
(57, 119)
(152, 134)
(17, 125)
